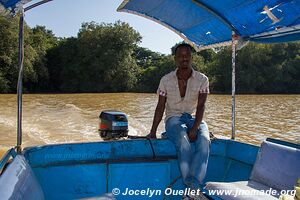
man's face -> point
(183, 57)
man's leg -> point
(200, 159)
(176, 131)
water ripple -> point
(63, 118)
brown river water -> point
(69, 118)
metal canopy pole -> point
(234, 41)
(20, 81)
(20, 78)
(36, 4)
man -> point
(181, 92)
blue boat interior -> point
(86, 170)
(74, 171)
(77, 170)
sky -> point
(64, 18)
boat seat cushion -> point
(19, 182)
(277, 166)
(249, 190)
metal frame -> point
(20, 81)
(234, 42)
(36, 4)
(20, 77)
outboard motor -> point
(113, 125)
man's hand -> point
(192, 135)
(151, 135)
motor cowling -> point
(113, 124)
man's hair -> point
(183, 44)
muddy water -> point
(65, 118)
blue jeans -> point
(192, 162)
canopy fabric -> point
(209, 23)
(11, 6)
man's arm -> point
(159, 111)
(199, 116)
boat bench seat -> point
(276, 170)
(19, 182)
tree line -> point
(106, 57)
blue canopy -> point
(11, 6)
(210, 23)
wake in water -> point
(67, 118)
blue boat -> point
(147, 168)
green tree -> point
(36, 43)
(41, 41)
(8, 52)
(106, 58)
(63, 66)
(98, 60)
(146, 58)
(219, 71)
(151, 76)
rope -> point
(153, 152)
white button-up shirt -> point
(175, 104)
